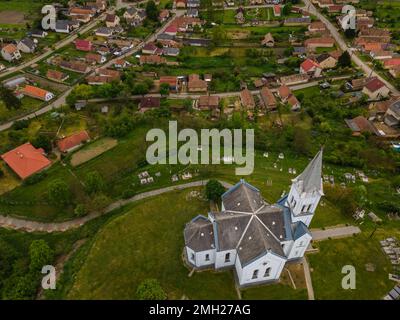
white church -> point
(253, 237)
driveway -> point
(338, 232)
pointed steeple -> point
(311, 178)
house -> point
(147, 103)
(277, 10)
(121, 63)
(26, 160)
(247, 100)
(195, 84)
(375, 89)
(77, 11)
(14, 82)
(335, 9)
(36, 93)
(130, 13)
(163, 15)
(27, 45)
(284, 93)
(299, 51)
(98, 80)
(208, 102)
(104, 32)
(326, 61)
(357, 84)
(381, 55)
(56, 75)
(172, 52)
(196, 42)
(114, 75)
(359, 125)
(36, 33)
(390, 63)
(268, 99)
(268, 40)
(310, 67)
(324, 3)
(395, 71)
(316, 27)
(294, 79)
(10, 52)
(73, 142)
(378, 109)
(2, 67)
(150, 48)
(179, 4)
(392, 115)
(293, 103)
(172, 81)
(76, 66)
(192, 12)
(375, 33)
(207, 77)
(171, 30)
(294, 21)
(252, 237)
(192, 3)
(83, 45)
(323, 42)
(63, 26)
(152, 59)
(112, 20)
(95, 58)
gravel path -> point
(35, 226)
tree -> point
(350, 33)
(9, 99)
(94, 182)
(1, 173)
(40, 255)
(287, 9)
(80, 210)
(344, 60)
(218, 34)
(214, 190)
(42, 141)
(164, 89)
(302, 141)
(152, 11)
(59, 193)
(150, 289)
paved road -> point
(338, 232)
(339, 39)
(34, 226)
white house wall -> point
(200, 257)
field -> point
(28, 104)
(356, 251)
(147, 242)
(92, 150)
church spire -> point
(310, 178)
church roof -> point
(243, 197)
(299, 229)
(310, 178)
(257, 241)
(199, 235)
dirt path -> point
(35, 226)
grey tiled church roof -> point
(243, 197)
(199, 234)
(257, 241)
(310, 178)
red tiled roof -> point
(171, 80)
(72, 141)
(25, 160)
(308, 64)
(83, 44)
(374, 85)
(277, 9)
(392, 62)
(34, 91)
(284, 92)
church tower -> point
(306, 191)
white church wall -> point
(299, 247)
(258, 268)
(205, 258)
(220, 258)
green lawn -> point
(147, 242)
(356, 251)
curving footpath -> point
(35, 226)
